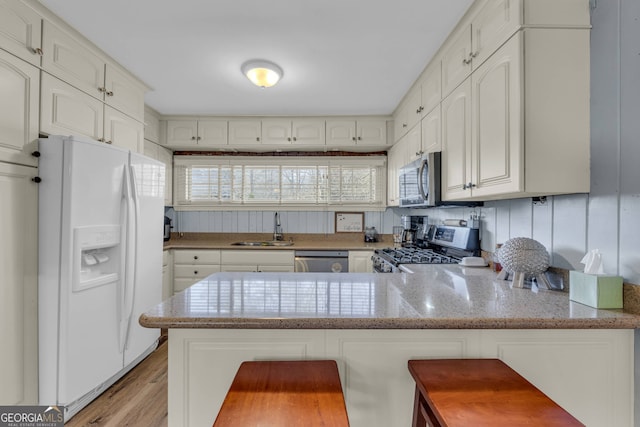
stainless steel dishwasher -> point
(322, 261)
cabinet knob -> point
(101, 140)
(193, 138)
(404, 125)
(36, 154)
(353, 138)
(474, 54)
(110, 93)
(36, 179)
(289, 139)
(468, 186)
(37, 51)
(466, 61)
(295, 139)
(195, 271)
(258, 139)
(102, 89)
(109, 142)
(359, 138)
(199, 138)
(195, 257)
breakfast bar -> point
(372, 324)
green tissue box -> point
(595, 290)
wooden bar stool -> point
(285, 393)
(480, 392)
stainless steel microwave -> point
(420, 184)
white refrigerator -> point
(101, 211)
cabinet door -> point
(245, 132)
(124, 93)
(456, 143)
(72, 61)
(150, 149)
(400, 122)
(414, 106)
(19, 102)
(497, 134)
(19, 286)
(123, 131)
(212, 133)
(431, 135)
(371, 132)
(341, 133)
(151, 126)
(166, 156)
(393, 167)
(494, 24)
(431, 86)
(20, 31)
(64, 110)
(456, 60)
(276, 132)
(182, 133)
(413, 143)
(308, 132)
(360, 262)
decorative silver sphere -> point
(524, 257)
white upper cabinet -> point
(492, 26)
(196, 134)
(431, 87)
(20, 31)
(123, 92)
(78, 64)
(151, 125)
(456, 65)
(122, 131)
(363, 133)
(293, 132)
(309, 132)
(245, 132)
(19, 101)
(431, 132)
(66, 110)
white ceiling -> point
(340, 57)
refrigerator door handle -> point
(128, 262)
(132, 250)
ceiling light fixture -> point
(262, 73)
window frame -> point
(324, 164)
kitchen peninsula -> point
(372, 324)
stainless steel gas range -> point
(440, 244)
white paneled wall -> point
(321, 222)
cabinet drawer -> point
(196, 256)
(194, 271)
(259, 257)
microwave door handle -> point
(421, 172)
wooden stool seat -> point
(480, 392)
(285, 393)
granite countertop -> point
(433, 297)
(344, 241)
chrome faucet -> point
(277, 228)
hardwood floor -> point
(139, 399)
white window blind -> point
(202, 181)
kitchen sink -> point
(264, 243)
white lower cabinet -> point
(167, 274)
(257, 260)
(193, 265)
(360, 262)
(18, 285)
(587, 372)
